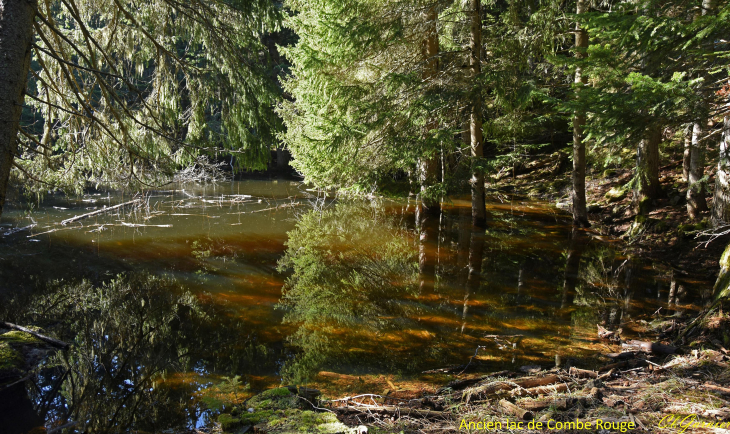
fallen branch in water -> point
(100, 211)
(44, 338)
(16, 230)
(137, 225)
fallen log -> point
(51, 341)
(582, 373)
(393, 411)
(649, 347)
(99, 211)
(621, 356)
(516, 411)
(524, 384)
(561, 404)
(542, 404)
(541, 390)
(635, 363)
(721, 390)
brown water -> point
(367, 292)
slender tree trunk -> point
(478, 205)
(687, 155)
(696, 202)
(580, 215)
(429, 165)
(647, 166)
(16, 36)
(721, 203)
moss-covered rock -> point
(277, 411)
(615, 194)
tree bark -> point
(647, 167)
(721, 203)
(580, 215)
(16, 36)
(687, 155)
(429, 165)
(696, 201)
(478, 201)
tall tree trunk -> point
(429, 165)
(478, 205)
(721, 203)
(580, 215)
(647, 167)
(687, 155)
(696, 202)
(16, 36)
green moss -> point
(307, 422)
(256, 417)
(229, 422)
(615, 194)
(725, 258)
(10, 358)
(274, 399)
(18, 337)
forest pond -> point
(232, 288)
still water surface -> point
(278, 283)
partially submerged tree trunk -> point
(696, 201)
(647, 188)
(429, 165)
(478, 205)
(16, 37)
(580, 214)
(721, 203)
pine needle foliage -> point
(124, 93)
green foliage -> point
(124, 94)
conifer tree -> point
(123, 94)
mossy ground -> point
(279, 411)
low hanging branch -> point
(100, 211)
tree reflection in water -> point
(128, 337)
(353, 268)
